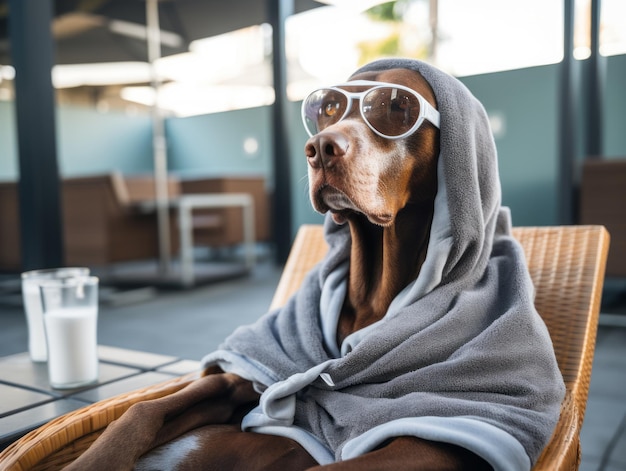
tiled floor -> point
(189, 324)
(603, 435)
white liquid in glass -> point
(72, 346)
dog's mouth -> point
(331, 199)
(336, 200)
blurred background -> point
(114, 112)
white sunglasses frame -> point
(427, 111)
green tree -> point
(395, 43)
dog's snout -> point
(312, 155)
(324, 148)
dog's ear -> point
(424, 180)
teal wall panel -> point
(523, 107)
(90, 142)
(615, 108)
(8, 142)
(214, 144)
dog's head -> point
(356, 167)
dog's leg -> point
(412, 454)
(212, 399)
(227, 448)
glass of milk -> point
(33, 308)
(70, 318)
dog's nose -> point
(325, 148)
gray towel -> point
(461, 356)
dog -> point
(385, 190)
(373, 167)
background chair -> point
(602, 184)
(100, 225)
(566, 264)
(103, 225)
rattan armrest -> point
(563, 450)
(63, 439)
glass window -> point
(474, 37)
(492, 35)
(613, 27)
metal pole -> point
(567, 128)
(278, 11)
(41, 228)
(159, 143)
(595, 83)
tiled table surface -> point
(27, 400)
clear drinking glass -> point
(70, 315)
(33, 308)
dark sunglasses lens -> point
(323, 108)
(391, 111)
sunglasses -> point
(391, 111)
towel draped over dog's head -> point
(468, 202)
(461, 356)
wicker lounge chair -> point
(567, 266)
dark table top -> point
(27, 400)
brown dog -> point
(384, 189)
